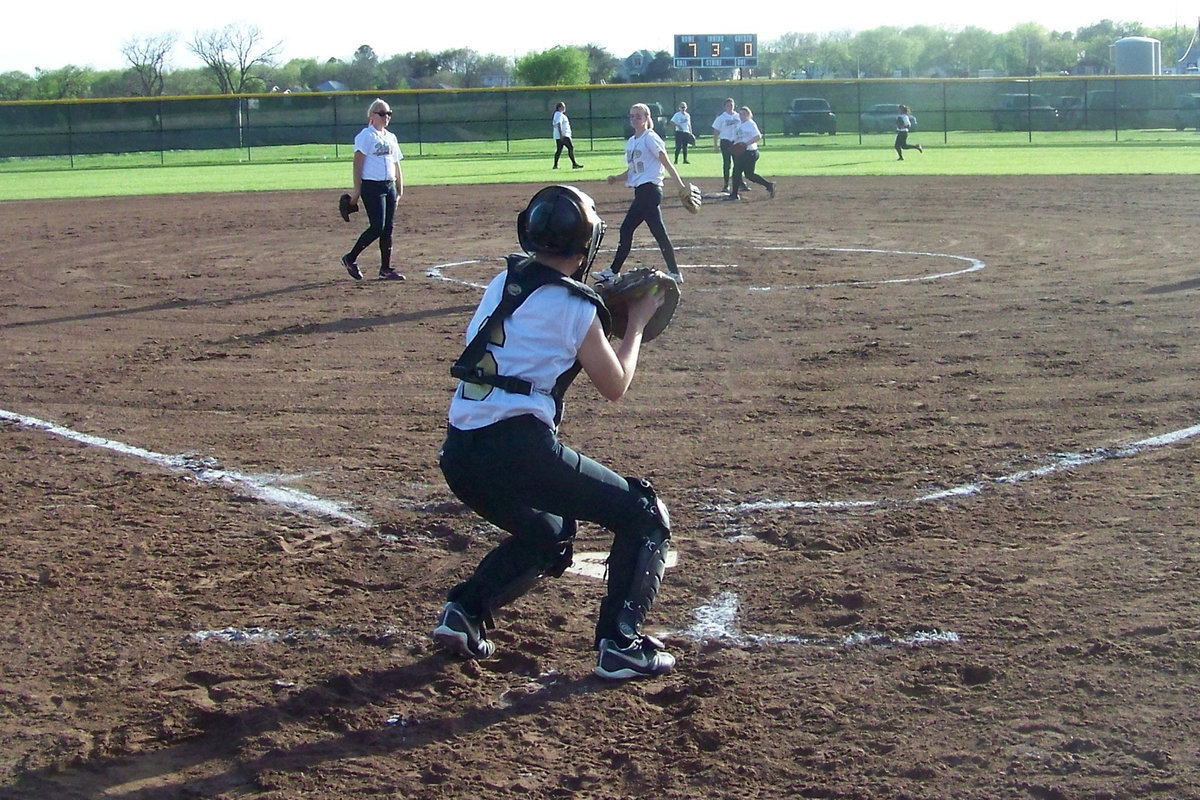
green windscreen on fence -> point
(498, 117)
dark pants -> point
(743, 165)
(559, 144)
(378, 199)
(727, 162)
(682, 140)
(902, 143)
(518, 476)
(647, 208)
(726, 159)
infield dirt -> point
(929, 447)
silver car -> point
(881, 118)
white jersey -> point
(541, 340)
(382, 153)
(745, 131)
(562, 125)
(724, 124)
(904, 122)
(641, 155)
(682, 121)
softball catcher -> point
(536, 328)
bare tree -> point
(232, 53)
(148, 57)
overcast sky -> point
(91, 33)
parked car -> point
(881, 118)
(1100, 108)
(1186, 113)
(1066, 104)
(809, 115)
(1023, 112)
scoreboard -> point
(716, 50)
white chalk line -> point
(717, 620)
(261, 487)
(1060, 462)
(975, 265)
(437, 271)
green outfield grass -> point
(1156, 152)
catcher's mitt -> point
(690, 196)
(345, 207)
(631, 285)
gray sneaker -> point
(462, 634)
(645, 658)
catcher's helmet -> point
(561, 221)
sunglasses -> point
(384, 113)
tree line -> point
(239, 59)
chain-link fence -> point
(492, 120)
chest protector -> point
(525, 275)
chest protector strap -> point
(524, 277)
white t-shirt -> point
(904, 122)
(641, 155)
(682, 121)
(724, 124)
(382, 152)
(562, 125)
(540, 341)
(745, 131)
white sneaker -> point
(606, 277)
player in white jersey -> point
(646, 159)
(562, 135)
(537, 327)
(723, 127)
(904, 123)
(684, 136)
(746, 137)
(379, 182)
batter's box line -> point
(717, 620)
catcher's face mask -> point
(562, 221)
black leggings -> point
(726, 159)
(565, 141)
(518, 476)
(902, 143)
(743, 165)
(378, 198)
(647, 208)
(682, 140)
